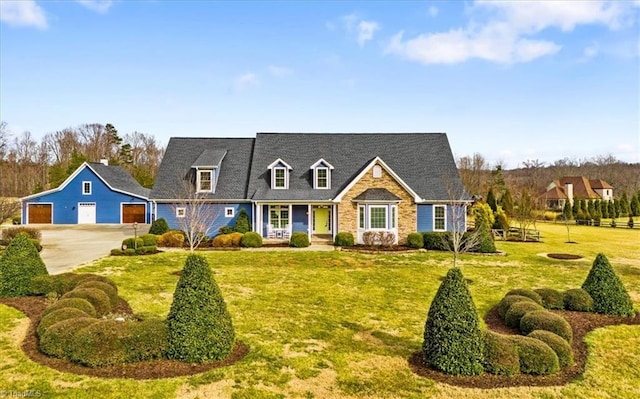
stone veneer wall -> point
(348, 210)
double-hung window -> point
(280, 178)
(439, 218)
(279, 216)
(322, 178)
(86, 188)
(205, 180)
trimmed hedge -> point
(500, 354)
(199, 325)
(58, 339)
(159, 227)
(517, 311)
(436, 241)
(551, 299)
(299, 239)
(20, 264)
(453, 342)
(100, 344)
(528, 293)
(251, 239)
(545, 320)
(172, 239)
(145, 340)
(98, 298)
(228, 240)
(132, 243)
(415, 240)
(344, 239)
(535, 356)
(606, 289)
(505, 303)
(111, 292)
(578, 300)
(57, 316)
(76, 303)
(149, 240)
(559, 345)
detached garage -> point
(94, 193)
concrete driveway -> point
(65, 247)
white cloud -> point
(508, 34)
(366, 29)
(355, 25)
(433, 11)
(23, 13)
(279, 71)
(243, 82)
(99, 6)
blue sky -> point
(511, 80)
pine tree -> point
(624, 205)
(491, 200)
(604, 205)
(567, 214)
(575, 208)
(635, 206)
(242, 222)
(506, 201)
(612, 209)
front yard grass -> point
(339, 324)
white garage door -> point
(86, 213)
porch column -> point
(334, 221)
(309, 222)
(290, 226)
(258, 218)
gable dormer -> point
(279, 174)
(321, 174)
(207, 168)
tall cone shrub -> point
(453, 341)
(606, 289)
(19, 264)
(199, 325)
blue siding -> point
(65, 202)
(425, 217)
(167, 211)
(300, 218)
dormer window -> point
(207, 167)
(279, 174)
(321, 174)
(205, 180)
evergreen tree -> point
(575, 208)
(506, 201)
(606, 289)
(612, 209)
(635, 206)
(591, 208)
(242, 222)
(623, 209)
(567, 213)
(491, 200)
(604, 206)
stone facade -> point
(348, 210)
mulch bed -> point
(564, 256)
(581, 323)
(161, 368)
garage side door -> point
(40, 213)
(133, 213)
(86, 213)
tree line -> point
(29, 166)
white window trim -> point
(199, 180)
(362, 209)
(394, 217)
(286, 178)
(386, 217)
(181, 212)
(90, 187)
(229, 212)
(315, 178)
(280, 208)
(434, 217)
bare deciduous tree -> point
(196, 214)
(458, 240)
(8, 207)
(474, 172)
(524, 206)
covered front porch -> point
(277, 221)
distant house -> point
(319, 184)
(572, 188)
(94, 193)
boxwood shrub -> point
(57, 316)
(299, 239)
(505, 303)
(111, 291)
(19, 264)
(251, 239)
(551, 299)
(435, 241)
(535, 356)
(559, 345)
(578, 300)
(528, 293)
(58, 339)
(517, 311)
(77, 303)
(606, 289)
(98, 298)
(145, 340)
(100, 344)
(545, 320)
(133, 243)
(500, 354)
(159, 227)
(149, 240)
(415, 240)
(344, 239)
(172, 239)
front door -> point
(321, 221)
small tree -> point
(19, 264)
(524, 212)
(507, 202)
(199, 325)
(635, 206)
(242, 222)
(491, 200)
(198, 214)
(566, 211)
(458, 240)
(606, 289)
(452, 338)
(8, 208)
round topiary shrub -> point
(149, 240)
(606, 289)
(100, 344)
(551, 299)
(111, 292)
(159, 227)
(58, 339)
(559, 345)
(344, 239)
(57, 316)
(98, 298)
(415, 240)
(199, 325)
(236, 239)
(500, 354)
(453, 342)
(535, 356)
(299, 240)
(20, 264)
(145, 340)
(172, 239)
(132, 243)
(251, 239)
(528, 293)
(517, 311)
(76, 303)
(506, 302)
(545, 320)
(578, 300)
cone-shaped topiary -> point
(159, 227)
(19, 264)
(606, 289)
(242, 222)
(199, 325)
(453, 341)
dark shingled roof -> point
(377, 194)
(182, 153)
(119, 179)
(422, 160)
(210, 157)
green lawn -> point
(338, 324)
